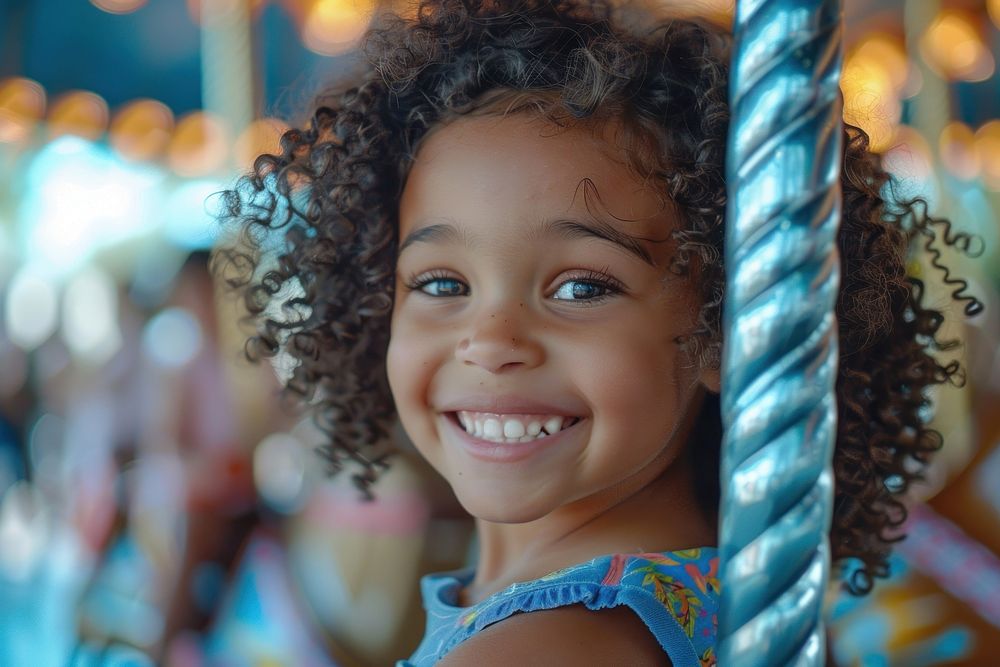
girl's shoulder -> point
(638, 608)
(564, 636)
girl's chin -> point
(497, 508)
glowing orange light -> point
(260, 137)
(22, 104)
(200, 145)
(993, 7)
(141, 130)
(885, 52)
(871, 101)
(954, 48)
(334, 26)
(118, 6)
(957, 147)
(988, 150)
(79, 112)
(876, 74)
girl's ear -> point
(712, 379)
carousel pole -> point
(780, 352)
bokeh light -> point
(957, 148)
(118, 6)
(261, 136)
(954, 47)
(187, 218)
(90, 317)
(876, 73)
(172, 338)
(988, 150)
(24, 529)
(200, 145)
(279, 471)
(142, 129)
(993, 7)
(888, 53)
(79, 112)
(82, 197)
(31, 309)
(334, 26)
(22, 104)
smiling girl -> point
(506, 234)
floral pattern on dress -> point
(685, 583)
(465, 620)
(682, 599)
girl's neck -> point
(660, 514)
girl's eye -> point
(443, 287)
(433, 285)
(591, 288)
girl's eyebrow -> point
(564, 228)
(577, 229)
(443, 232)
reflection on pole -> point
(780, 352)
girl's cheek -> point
(407, 365)
(397, 369)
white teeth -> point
(492, 429)
(513, 429)
(510, 428)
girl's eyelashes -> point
(589, 287)
(436, 283)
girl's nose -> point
(498, 344)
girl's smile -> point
(493, 437)
(533, 358)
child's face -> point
(524, 316)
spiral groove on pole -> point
(780, 354)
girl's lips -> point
(501, 452)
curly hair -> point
(315, 259)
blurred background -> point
(159, 505)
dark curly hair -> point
(316, 249)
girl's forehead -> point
(522, 166)
(524, 135)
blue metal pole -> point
(780, 349)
